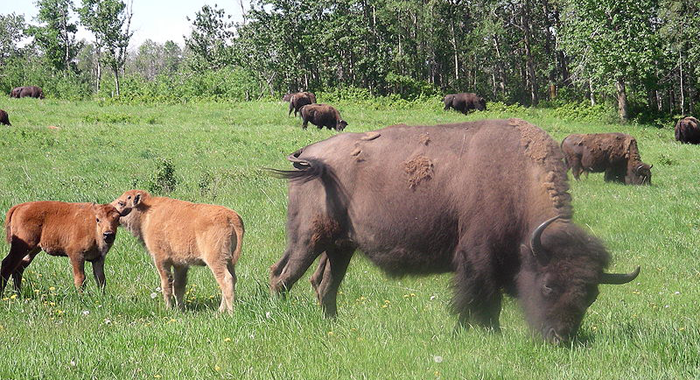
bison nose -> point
(109, 236)
(552, 336)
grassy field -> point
(386, 329)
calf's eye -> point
(97, 220)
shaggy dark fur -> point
(464, 102)
(616, 154)
(27, 91)
(4, 118)
(298, 100)
(688, 130)
(322, 115)
(484, 188)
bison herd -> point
(487, 201)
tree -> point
(56, 37)
(209, 41)
(110, 22)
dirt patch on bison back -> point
(418, 168)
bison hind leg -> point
(19, 250)
(327, 278)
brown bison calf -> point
(298, 100)
(688, 130)
(616, 154)
(322, 115)
(4, 118)
(81, 231)
(179, 234)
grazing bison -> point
(464, 102)
(322, 115)
(81, 231)
(486, 200)
(179, 234)
(300, 99)
(688, 130)
(28, 91)
(616, 154)
(4, 118)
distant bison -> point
(81, 231)
(616, 154)
(322, 115)
(300, 99)
(27, 91)
(464, 102)
(4, 118)
(688, 130)
(179, 234)
(486, 200)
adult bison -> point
(688, 130)
(464, 102)
(300, 99)
(81, 231)
(486, 200)
(616, 154)
(4, 118)
(322, 115)
(27, 91)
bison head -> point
(560, 280)
(481, 104)
(448, 101)
(107, 221)
(640, 174)
(341, 125)
(129, 201)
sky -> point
(158, 20)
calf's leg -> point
(98, 270)
(78, 263)
(223, 277)
(179, 284)
(166, 281)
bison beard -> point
(494, 210)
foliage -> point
(210, 39)
(57, 37)
(11, 32)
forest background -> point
(629, 59)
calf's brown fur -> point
(179, 234)
(81, 231)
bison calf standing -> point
(4, 118)
(179, 234)
(322, 115)
(616, 154)
(81, 231)
(464, 102)
(688, 130)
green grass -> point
(386, 329)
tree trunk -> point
(532, 78)
(621, 100)
(590, 91)
(680, 69)
(116, 80)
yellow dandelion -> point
(227, 339)
(680, 329)
(217, 368)
(330, 333)
(14, 296)
(5, 299)
(52, 288)
(413, 294)
(157, 376)
(387, 301)
(36, 291)
(384, 306)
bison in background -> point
(485, 200)
(81, 231)
(322, 115)
(27, 91)
(179, 234)
(4, 118)
(298, 100)
(616, 154)
(688, 130)
(464, 102)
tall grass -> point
(386, 329)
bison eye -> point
(547, 290)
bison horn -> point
(535, 243)
(618, 278)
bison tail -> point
(8, 225)
(307, 169)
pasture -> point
(386, 328)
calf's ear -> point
(137, 199)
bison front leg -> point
(330, 273)
(98, 270)
(166, 281)
(477, 299)
(78, 264)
